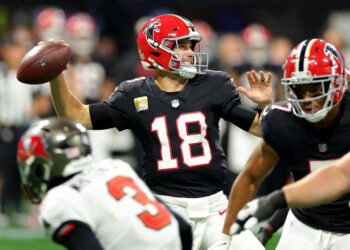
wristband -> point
(278, 199)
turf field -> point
(16, 238)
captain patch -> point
(141, 103)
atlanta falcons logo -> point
(149, 32)
(329, 49)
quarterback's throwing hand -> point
(259, 209)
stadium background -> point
(295, 20)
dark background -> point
(296, 20)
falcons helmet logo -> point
(149, 32)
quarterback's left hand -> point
(260, 88)
(259, 209)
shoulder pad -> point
(281, 107)
(61, 204)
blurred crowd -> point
(96, 68)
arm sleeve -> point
(278, 218)
(75, 235)
(100, 117)
(242, 116)
(228, 100)
(112, 113)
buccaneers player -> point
(90, 204)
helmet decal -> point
(49, 149)
(31, 146)
(149, 32)
(304, 54)
(330, 49)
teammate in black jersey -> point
(175, 116)
(307, 192)
(309, 130)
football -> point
(43, 63)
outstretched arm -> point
(261, 161)
(66, 104)
(325, 185)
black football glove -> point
(264, 235)
(259, 209)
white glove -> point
(256, 210)
(222, 242)
(245, 218)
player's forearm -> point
(243, 190)
(325, 185)
(66, 104)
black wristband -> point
(278, 199)
(264, 235)
(267, 205)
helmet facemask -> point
(35, 176)
(328, 92)
(48, 153)
(199, 63)
(319, 65)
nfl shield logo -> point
(175, 103)
(322, 147)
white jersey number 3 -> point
(167, 161)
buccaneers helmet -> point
(157, 40)
(314, 61)
(45, 151)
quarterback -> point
(175, 115)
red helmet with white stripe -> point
(160, 36)
(315, 61)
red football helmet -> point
(318, 62)
(160, 36)
(82, 32)
(256, 35)
(49, 24)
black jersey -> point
(306, 150)
(178, 131)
